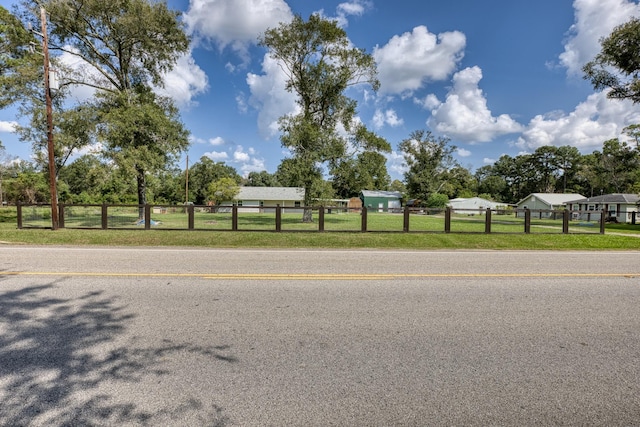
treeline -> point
(431, 176)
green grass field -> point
(212, 229)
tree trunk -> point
(142, 191)
(307, 214)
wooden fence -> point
(325, 219)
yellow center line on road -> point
(314, 276)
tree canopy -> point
(617, 66)
(320, 65)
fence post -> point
(147, 216)
(447, 220)
(278, 218)
(487, 221)
(633, 218)
(321, 218)
(105, 218)
(527, 221)
(602, 222)
(234, 218)
(363, 225)
(405, 226)
(19, 213)
(61, 215)
(566, 214)
(191, 215)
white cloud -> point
(594, 19)
(396, 163)
(464, 114)
(269, 96)
(8, 127)
(234, 23)
(591, 123)
(184, 82)
(217, 155)
(389, 117)
(217, 141)
(463, 153)
(408, 61)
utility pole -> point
(47, 94)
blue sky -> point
(496, 77)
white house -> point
(473, 205)
(541, 202)
(619, 207)
(265, 199)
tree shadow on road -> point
(59, 355)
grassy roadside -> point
(9, 234)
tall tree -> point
(261, 179)
(617, 66)
(21, 71)
(203, 173)
(124, 47)
(142, 133)
(428, 161)
(321, 65)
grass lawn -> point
(257, 231)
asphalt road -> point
(186, 337)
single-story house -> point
(546, 201)
(265, 199)
(619, 207)
(381, 200)
(473, 205)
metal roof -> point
(554, 199)
(623, 198)
(387, 194)
(270, 193)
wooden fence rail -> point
(106, 216)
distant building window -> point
(261, 203)
(239, 202)
(297, 204)
(591, 208)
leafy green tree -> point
(21, 71)
(367, 171)
(261, 179)
(617, 66)
(437, 200)
(616, 166)
(125, 46)
(397, 185)
(73, 128)
(223, 190)
(203, 173)
(321, 65)
(428, 160)
(142, 134)
(85, 178)
(27, 184)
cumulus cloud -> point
(7, 127)
(269, 97)
(463, 153)
(594, 19)
(217, 141)
(464, 114)
(217, 155)
(593, 121)
(388, 117)
(234, 23)
(410, 60)
(184, 82)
